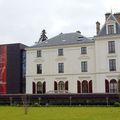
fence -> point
(59, 99)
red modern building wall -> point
(3, 64)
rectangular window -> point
(60, 52)
(39, 68)
(110, 29)
(84, 66)
(111, 46)
(112, 64)
(83, 50)
(60, 67)
(39, 54)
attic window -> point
(80, 37)
(63, 40)
(79, 40)
(110, 29)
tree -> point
(43, 36)
(25, 106)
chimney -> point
(97, 27)
(117, 16)
(78, 32)
(107, 15)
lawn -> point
(60, 113)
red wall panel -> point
(3, 64)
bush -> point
(35, 104)
(116, 104)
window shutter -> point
(106, 86)
(55, 85)
(33, 88)
(78, 87)
(90, 86)
(66, 85)
(44, 87)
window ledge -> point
(112, 55)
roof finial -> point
(111, 11)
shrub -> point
(36, 105)
(116, 104)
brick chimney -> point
(107, 15)
(117, 16)
(97, 27)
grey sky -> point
(23, 20)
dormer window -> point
(111, 29)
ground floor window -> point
(84, 86)
(112, 86)
(61, 87)
(39, 87)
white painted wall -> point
(72, 66)
(98, 64)
(102, 61)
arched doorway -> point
(85, 86)
(61, 86)
(39, 87)
(113, 86)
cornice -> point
(110, 37)
(60, 46)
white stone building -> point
(72, 63)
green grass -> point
(60, 113)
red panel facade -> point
(3, 63)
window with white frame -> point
(111, 46)
(112, 64)
(111, 29)
(60, 52)
(113, 86)
(84, 66)
(60, 67)
(83, 50)
(39, 53)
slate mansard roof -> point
(65, 39)
(103, 29)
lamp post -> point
(10, 101)
(70, 100)
(39, 100)
(107, 101)
(25, 104)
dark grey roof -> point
(65, 39)
(103, 30)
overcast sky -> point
(21, 21)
